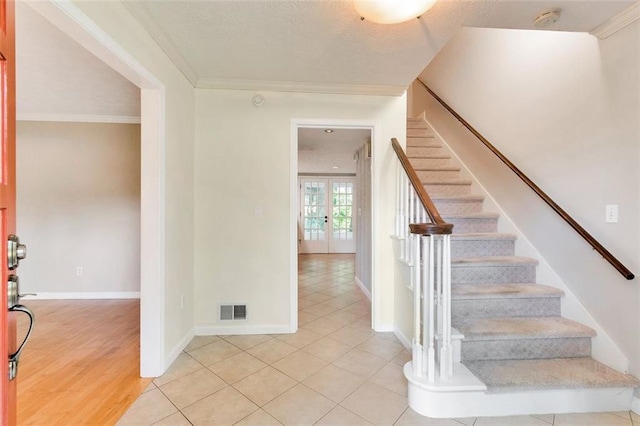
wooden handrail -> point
(575, 225)
(437, 225)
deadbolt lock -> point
(15, 251)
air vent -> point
(233, 312)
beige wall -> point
(564, 108)
(79, 206)
(243, 159)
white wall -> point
(177, 134)
(564, 107)
(242, 162)
(78, 202)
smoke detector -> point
(547, 18)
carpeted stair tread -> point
(493, 261)
(483, 215)
(504, 291)
(430, 156)
(417, 123)
(422, 142)
(437, 168)
(547, 374)
(522, 328)
(447, 182)
(460, 198)
(474, 236)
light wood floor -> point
(81, 366)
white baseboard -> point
(177, 350)
(635, 404)
(403, 339)
(363, 288)
(85, 295)
(229, 330)
(384, 328)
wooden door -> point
(7, 198)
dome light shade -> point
(392, 11)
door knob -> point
(15, 251)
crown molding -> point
(79, 118)
(140, 12)
(618, 22)
(284, 86)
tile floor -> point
(334, 371)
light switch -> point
(611, 213)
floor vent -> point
(233, 312)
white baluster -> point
(405, 225)
(446, 356)
(429, 306)
(417, 361)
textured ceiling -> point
(324, 43)
(320, 152)
(56, 77)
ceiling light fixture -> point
(392, 11)
(328, 130)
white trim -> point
(72, 21)
(635, 404)
(403, 339)
(384, 328)
(618, 22)
(234, 330)
(288, 86)
(175, 353)
(80, 118)
(85, 295)
(363, 288)
(293, 227)
(141, 13)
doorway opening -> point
(72, 21)
(331, 201)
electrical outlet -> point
(611, 213)
(79, 271)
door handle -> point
(15, 357)
(13, 291)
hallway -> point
(334, 370)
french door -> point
(326, 218)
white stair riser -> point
(464, 309)
(566, 347)
(448, 189)
(425, 175)
(476, 248)
(458, 206)
(422, 163)
(493, 274)
(473, 225)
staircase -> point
(523, 356)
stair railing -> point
(623, 270)
(425, 244)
